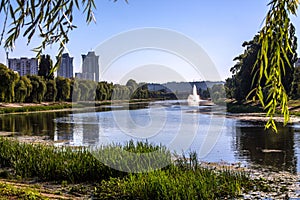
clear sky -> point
(219, 27)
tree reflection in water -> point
(266, 148)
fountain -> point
(194, 99)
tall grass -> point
(183, 179)
(80, 164)
(186, 181)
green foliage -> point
(46, 67)
(273, 61)
(104, 91)
(243, 108)
(22, 89)
(183, 179)
(217, 92)
(51, 93)
(295, 90)
(240, 85)
(39, 89)
(36, 108)
(8, 80)
(8, 191)
(63, 86)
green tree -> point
(23, 89)
(51, 93)
(75, 91)
(246, 69)
(39, 89)
(63, 86)
(85, 91)
(217, 92)
(132, 86)
(7, 84)
(45, 67)
(295, 90)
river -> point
(181, 128)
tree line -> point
(245, 73)
(39, 88)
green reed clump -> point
(161, 178)
(188, 181)
(134, 157)
(80, 164)
(53, 163)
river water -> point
(181, 128)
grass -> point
(183, 179)
(174, 183)
(235, 107)
(6, 110)
(8, 191)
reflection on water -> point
(161, 122)
(30, 124)
(266, 148)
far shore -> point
(16, 108)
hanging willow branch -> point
(273, 60)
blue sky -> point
(219, 27)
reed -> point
(49, 163)
(187, 181)
(183, 179)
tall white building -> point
(66, 66)
(90, 67)
(24, 66)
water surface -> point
(177, 126)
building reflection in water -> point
(265, 148)
(78, 130)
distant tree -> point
(45, 67)
(39, 89)
(217, 92)
(8, 79)
(132, 86)
(84, 90)
(295, 90)
(63, 86)
(51, 93)
(75, 91)
(23, 89)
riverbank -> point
(265, 185)
(8, 108)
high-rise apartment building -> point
(66, 66)
(90, 67)
(24, 66)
